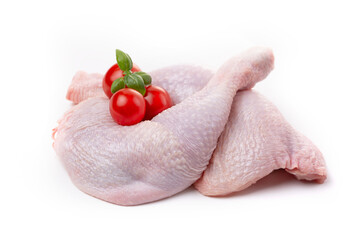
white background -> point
(315, 84)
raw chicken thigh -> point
(234, 166)
(257, 140)
(131, 165)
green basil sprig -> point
(117, 85)
(136, 80)
(146, 77)
(123, 60)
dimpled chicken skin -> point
(235, 164)
(256, 141)
(130, 165)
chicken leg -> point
(130, 165)
(257, 140)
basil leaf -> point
(117, 85)
(146, 77)
(130, 62)
(123, 60)
(135, 82)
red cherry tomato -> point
(157, 100)
(127, 106)
(111, 75)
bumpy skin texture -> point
(158, 158)
(180, 82)
(79, 90)
(257, 140)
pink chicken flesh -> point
(158, 158)
(257, 140)
(80, 90)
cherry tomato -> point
(157, 100)
(127, 106)
(111, 75)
